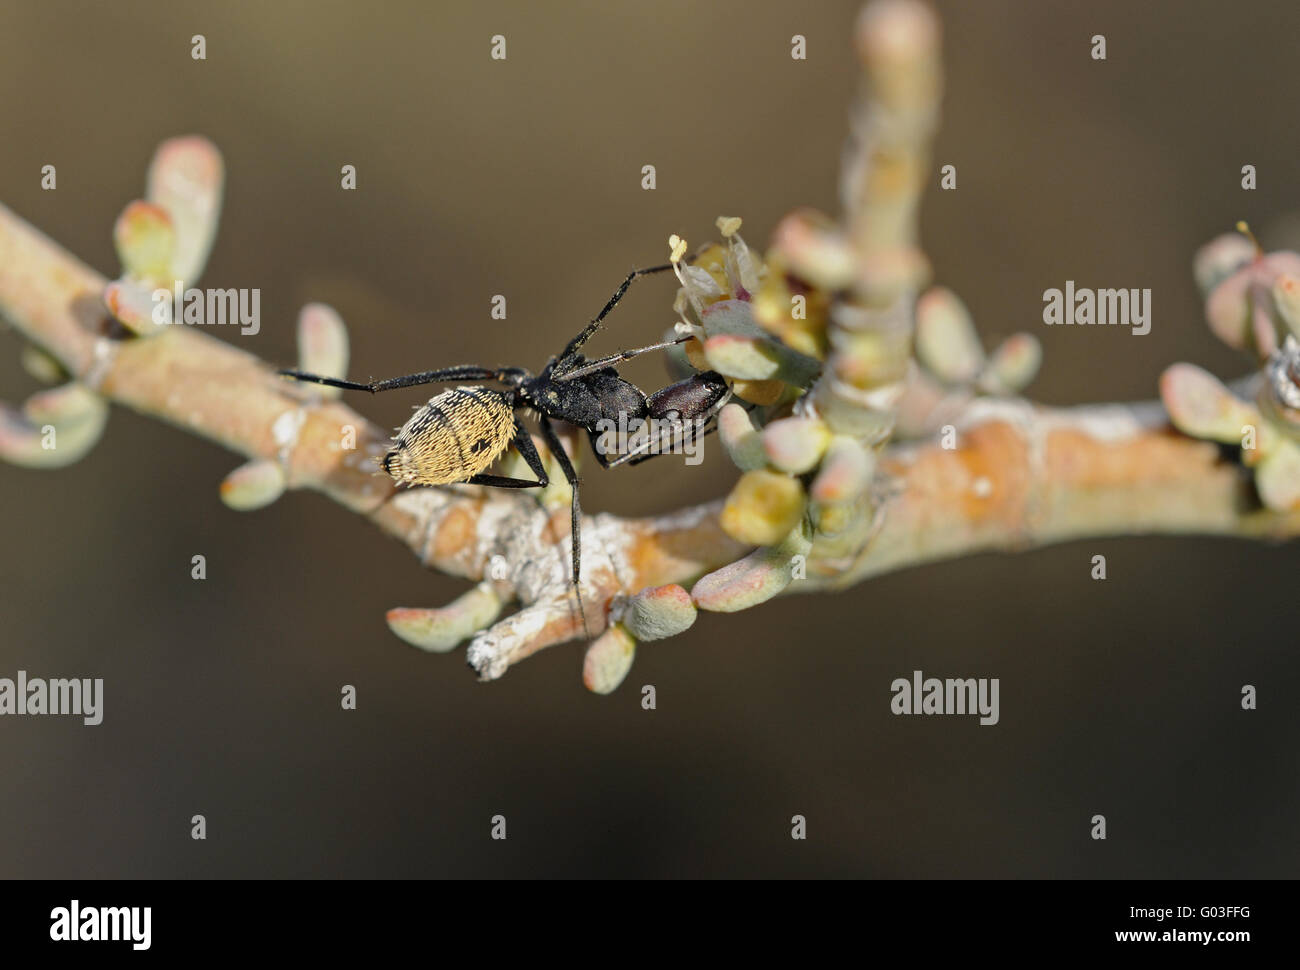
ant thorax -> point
(573, 401)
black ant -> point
(459, 433)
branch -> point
(1021, 475)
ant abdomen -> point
(453, 437)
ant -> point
(459, 433)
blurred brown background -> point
(522, 177)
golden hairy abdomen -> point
(458, 434)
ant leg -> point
(601, 458)
(575, 509)
(576, 343)
(528, 451)
(463, 372)
(639, 455)
(605, 461)
(590, 367)
(638, 459)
